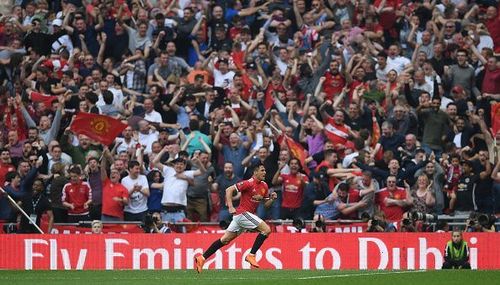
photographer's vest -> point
(457, 254)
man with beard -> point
(334, 81)
(294, 184)
(222, 182)
(460, 134)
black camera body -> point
(486, 221)
(10, 228)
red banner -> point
(280, 251)
(101, 128)
(495, 118)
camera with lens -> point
(407, 222)
(419, 216)
(375, 222)
(486, 221)
(10, 228)
(148, 222)
(298, 223)
(319, 224)
(365, 217)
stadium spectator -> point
(175, 187)
(77, 196)
(96, 226)
(114, 195)
(393, 201)
(36, 204)
(138, 192)
(293, 189)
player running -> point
(253, 191)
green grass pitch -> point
(243, 277)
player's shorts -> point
(244, 221)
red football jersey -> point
(336, 133)
(293, 190)
(392, 213)
(77, 194)
(248, 189)
(111, 190)
(333, 85)
(4, 169)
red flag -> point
(100, 128)
(495, 118)
(375, 137)
(375, 131)
(43, 98)
(296, 150)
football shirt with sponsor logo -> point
(248, 189)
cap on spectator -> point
(57, 22)
(220, 27)
(245, 28)
(179, 159)
(369, 101)
(302, 50)
(183, 154)
(457, 89)
(252, 65)
(189, 97)
(77, 3)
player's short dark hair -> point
(258, 165)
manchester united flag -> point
(296, 150)
(100, 128)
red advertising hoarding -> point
(280, 251)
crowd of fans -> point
(390, 99)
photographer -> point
(480, 223)
(319, 225)
(379, 224)
(154, 225)
(456, 253)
